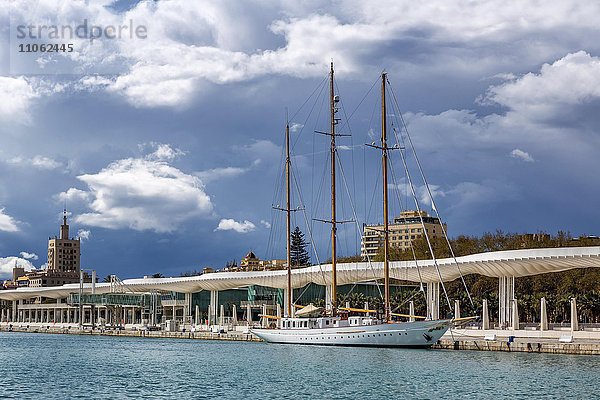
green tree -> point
(299, 254)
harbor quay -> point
(227, 305)
(202, 333)
(64, 298)
(558, 340)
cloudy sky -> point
(167, 147)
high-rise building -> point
(64, 252)
(63, 260)
(405, 228)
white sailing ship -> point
(315, 326)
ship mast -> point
(332, 101)
(288, 219)
(384, 166)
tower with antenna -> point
(64, 255)
(63, 251)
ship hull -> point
(420, 334)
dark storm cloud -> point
(477, 82)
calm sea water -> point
(67, 366)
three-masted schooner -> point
(332, 328)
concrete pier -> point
(561, 341)
(73, 329)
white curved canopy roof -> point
(494, 264)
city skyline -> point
(169, 162)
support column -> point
(485, 317)
(515, 315)
(265, 321)
(574, 320)
(456, 309)
(187, 308)
(214, 303)
(411, 311)
(197, 315)
(433, 300)
(249, 314)
(285, 302)
(506, 295)
(14, 311)
(328, 300)
(221, 315)
(234, 316)
(543, 315)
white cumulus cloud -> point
(232, 225)
(73, 195)
(295, 127)
(7, 223)
(16, 98)
(521, 155)
(84, 234)
(162, 152)
(215, 174)
(569, 81)
(29, 256)
(266, 224)
(8, 263)
(142, 194)
(39, 162)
